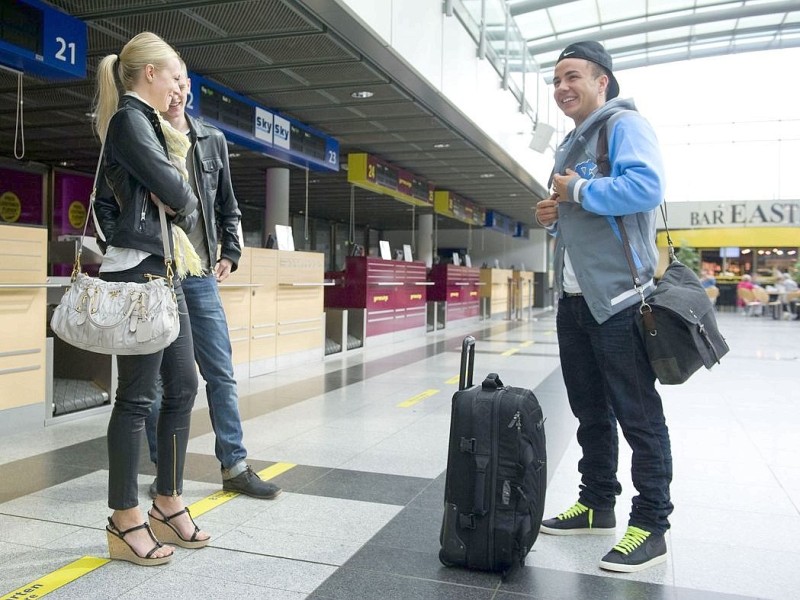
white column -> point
(277, 202)
(425, 239)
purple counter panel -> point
(384, 288)
(21, 195)
(459, 287)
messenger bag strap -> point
(604, 168)
(644, 309)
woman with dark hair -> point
(138, 171)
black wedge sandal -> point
(166, 531)
(119, 549)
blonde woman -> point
(137, 169)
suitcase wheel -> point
(443, 559)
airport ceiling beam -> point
(611, 33)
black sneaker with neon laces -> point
(638, 549)
(581, 520)
(249, 483)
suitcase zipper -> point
(495, 443)
(516, 421)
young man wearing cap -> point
(603, 360)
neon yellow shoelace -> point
(633, 538)
(574, 511)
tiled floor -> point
(360, 514)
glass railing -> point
(499, 40)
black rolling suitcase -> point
(496, 473)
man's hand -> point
(561, 185)
(156, 200)
(547, 211)
(223, 269)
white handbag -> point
(118, 317)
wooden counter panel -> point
(496, 283)
(300, 267)
(23, 316)
(300, 299)
(299, 303)
(300, 336)
(263, 305)
(23, 254)
(236, 302)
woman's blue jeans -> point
(609, 380)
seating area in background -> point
(770, 303)
(713, 294)
(747, 300)
(758, 302)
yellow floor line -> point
(56, 579)
(510, 352)
(453, 380)
(526, 344)
(87, 564)
(221, 497)
(418, 398)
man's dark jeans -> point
(608, 379)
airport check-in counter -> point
(274, 307)
(273, 304)
(37, 368)
(385, 300)
(455, 294)
(496, 292)
(522, 294)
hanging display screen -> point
(451, 205)
(226, 110)
(372, 173)
(36, 38)
(261, 129)
(21, 25)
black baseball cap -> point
(593, 52)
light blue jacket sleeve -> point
(637, 181)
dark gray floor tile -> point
(352, 584)
(412, 529)
(421, 564)
(367, 487)
(549, 584)
(297, 478)
(689, 594)
(202, 467)
(28, 475)
(432, 497)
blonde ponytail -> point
(143, 49)
(107, 96)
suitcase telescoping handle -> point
(467, 363)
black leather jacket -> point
(136, 163)
(221, 215)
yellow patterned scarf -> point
(187, 261)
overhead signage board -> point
(454, 206)
(377, 175)
(38, 39)
(522, 230)
(261, 129)
(501, 223)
